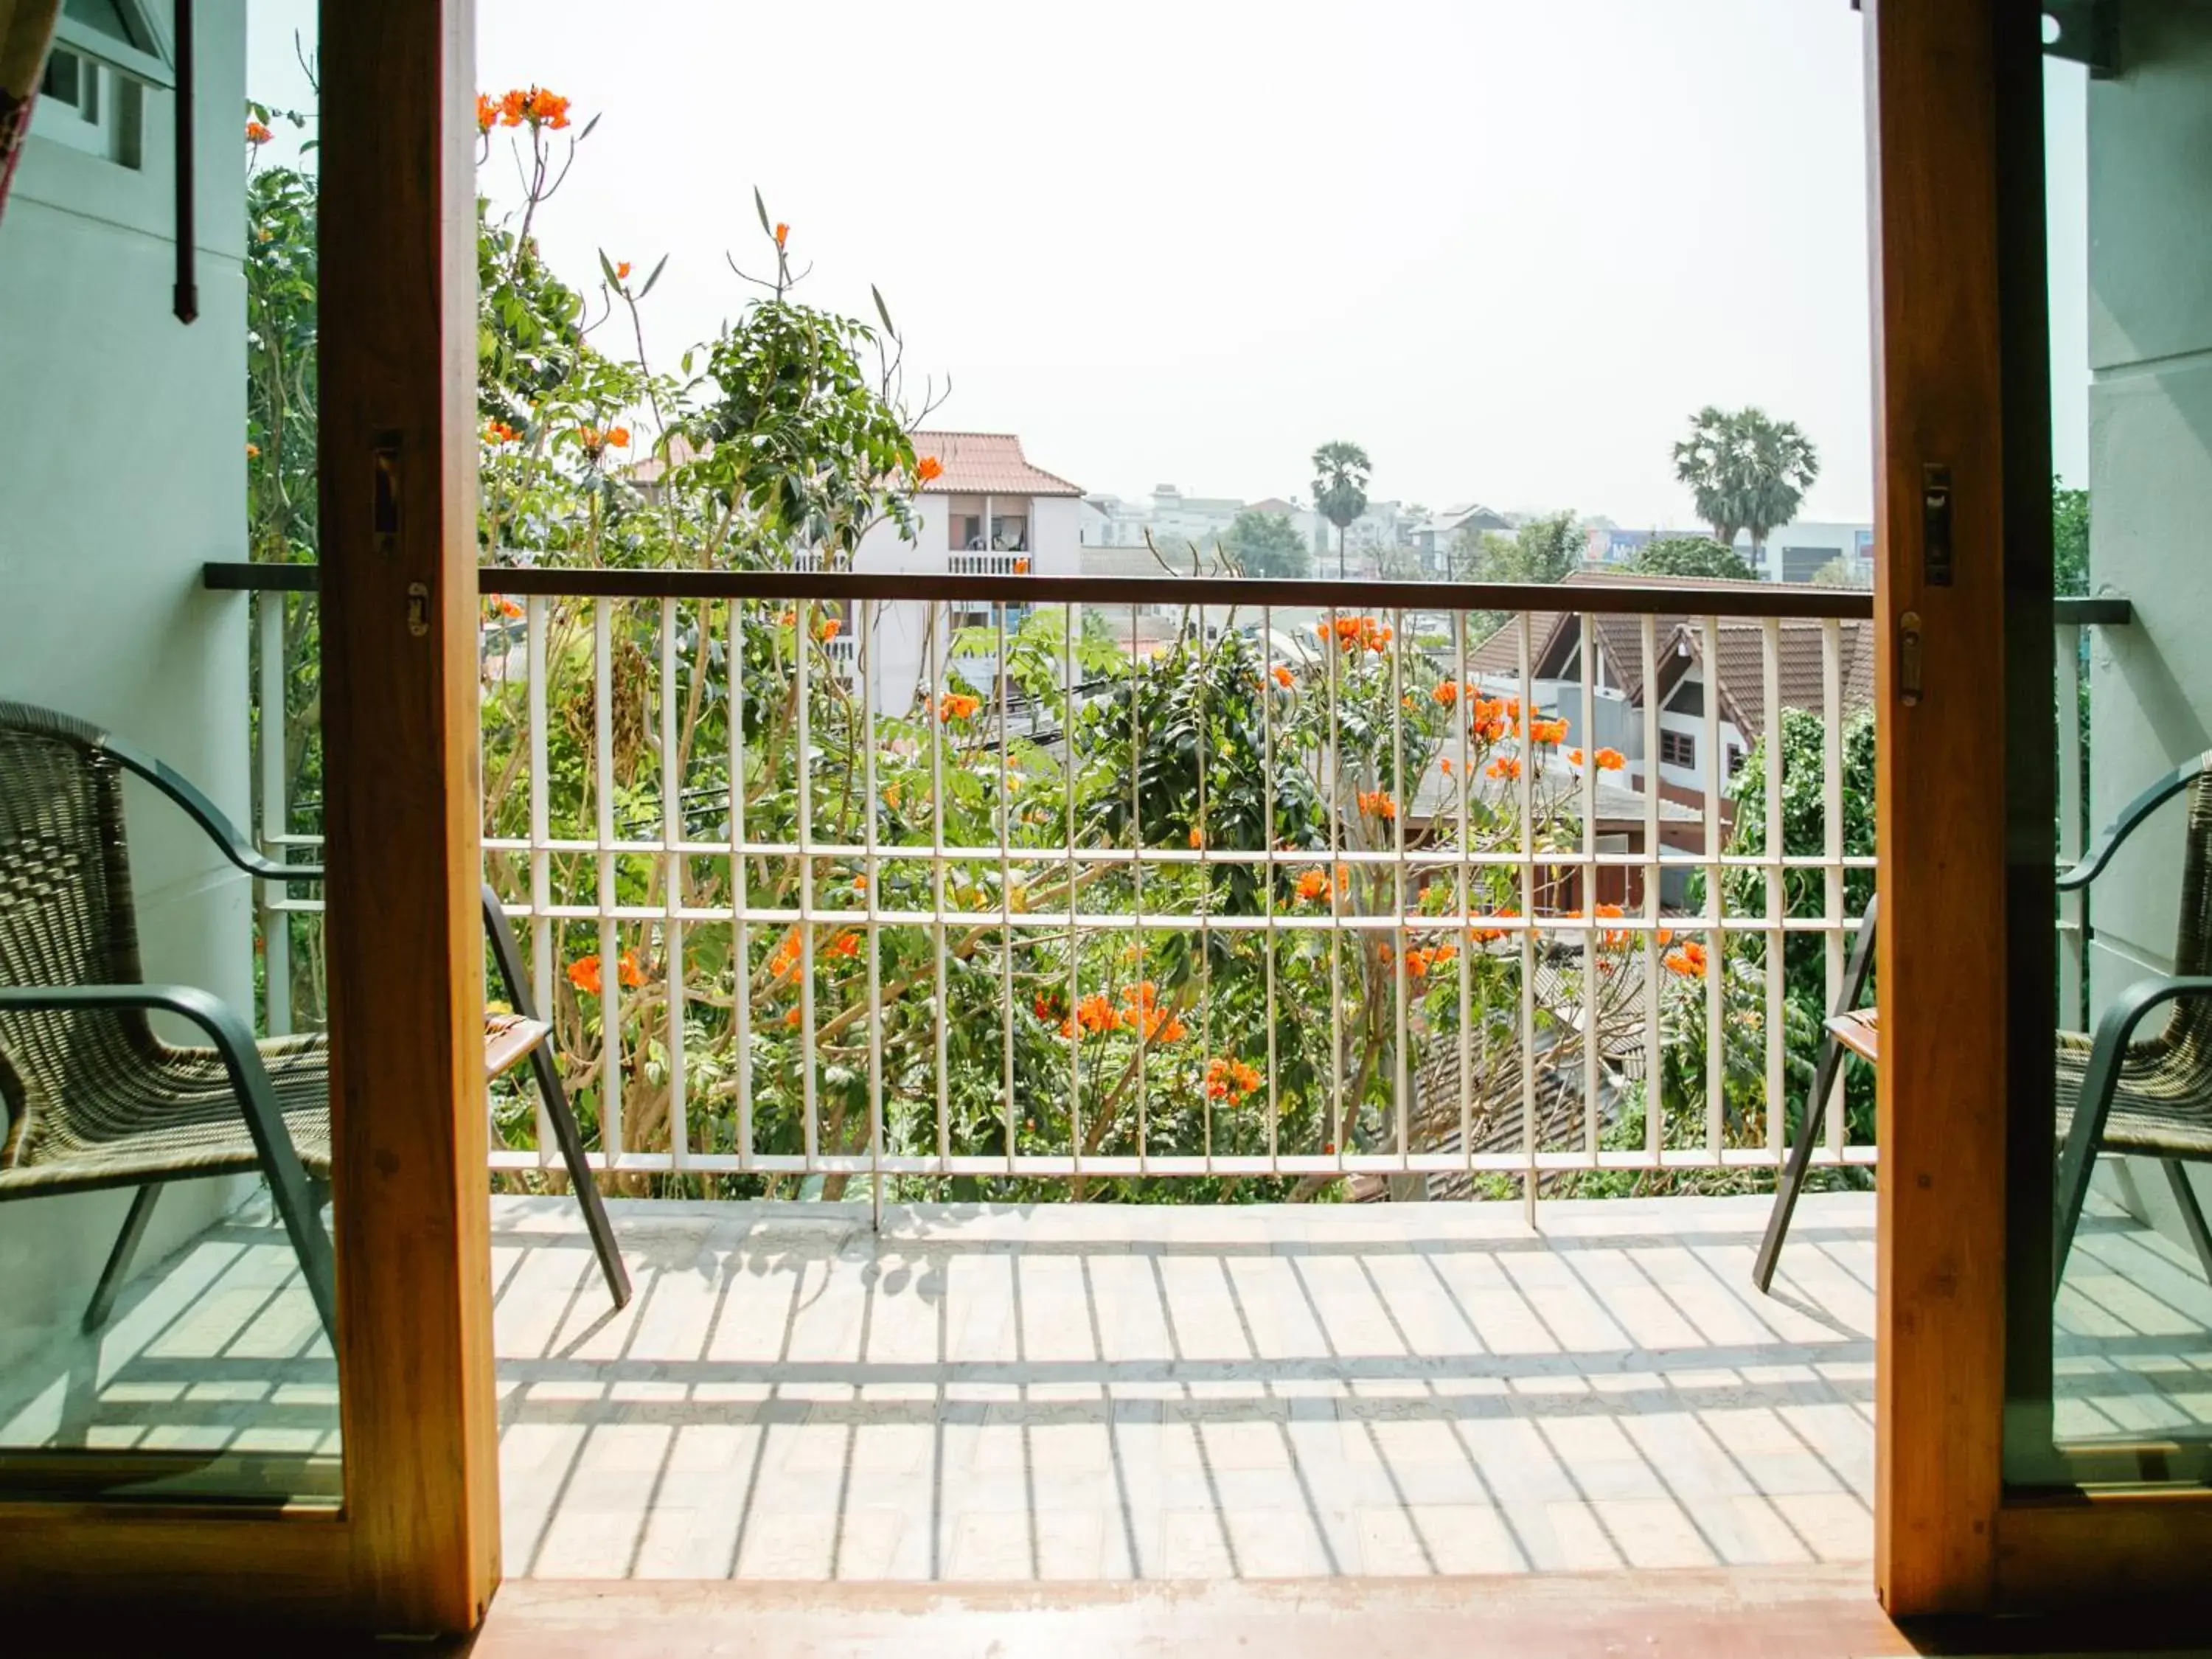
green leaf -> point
(654, 277)
(761, 207)
(607, 270)
(881, 310)
(588, 126)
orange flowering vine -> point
(958, 706)
(928, 469)
(488, 111)
(1548, 732)
(258, 135)
(782, 234)
(1282, 675)
(1687, 959)
(1230, 1079)
(499, 432)
(1505, 766)
(622, 271)
(1376, 803)
(583, 973)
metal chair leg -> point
(2077, 1161)
(118, 1259)
(2192, 1213)
(1831, 1058)
(509, 958)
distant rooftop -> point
(986, 464)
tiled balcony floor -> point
(1101, 1393)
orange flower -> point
(1574, 757)
(590, 437)
(256, 135)
(1282, 676)
(253, 452)
(1045, 1007)
(1611, 760)
(617, 437)
(511, 107)
(546, 108)
(1312, 883)
(507, 608)
(782, 233)
(847, 943)
(928, 468)
(1447, 694)
(1095, 1016)
(1197, 836)
(1448, 766)
(486, 111)
(787, 619)
(622, 271)
(958, 706)
(860, 883)
(584, 975)
(626, 970)
(791, 1019)
(499, 432)
(1547, 731)
(1230, 1079)
(1481, 931)
(829, 628)
(1689, 960)
(1505, 766)
(1376, 803)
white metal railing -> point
(1519, 1038)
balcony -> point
(1288, 998)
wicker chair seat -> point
(2163, 1107)
(131, 1117)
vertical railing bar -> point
(1716, 901)
(872, 909)
(1777, 901)
(603, 740)
(1205, 901)
(541, 858)
(1592, 941)
(1268, 687)
(1832, 845)
(1006, 890)
(803, 742)
(671, 930)
(1338, 1141)
(1526, 781)
(1069, 621)
(272, 736)
(1401, 1072)
(937, 723)
(1654, 1101)
(1137, 886)
(1462, 798)
(741, 953)
(2073, 952)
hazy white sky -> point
(1507, 248)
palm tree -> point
(1747, 471)
(1341, 474)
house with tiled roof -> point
(1673, 671)
(984, 509)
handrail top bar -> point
(1632, 598)
(1245, 592)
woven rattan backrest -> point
(65, 908)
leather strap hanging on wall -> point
(187, 303)
(26, 30)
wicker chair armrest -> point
(2131, 818)
(233, 1040)
(232, 841)
(2108, 1051)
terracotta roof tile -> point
(986, 464)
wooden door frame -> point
(1965, 971)
(415, 1545)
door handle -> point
(1909, 659)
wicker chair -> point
(94, 1099)
(2151, 1098)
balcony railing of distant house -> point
(1358, 909)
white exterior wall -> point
(901, 641)
(2150, 472)
(124, 470)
